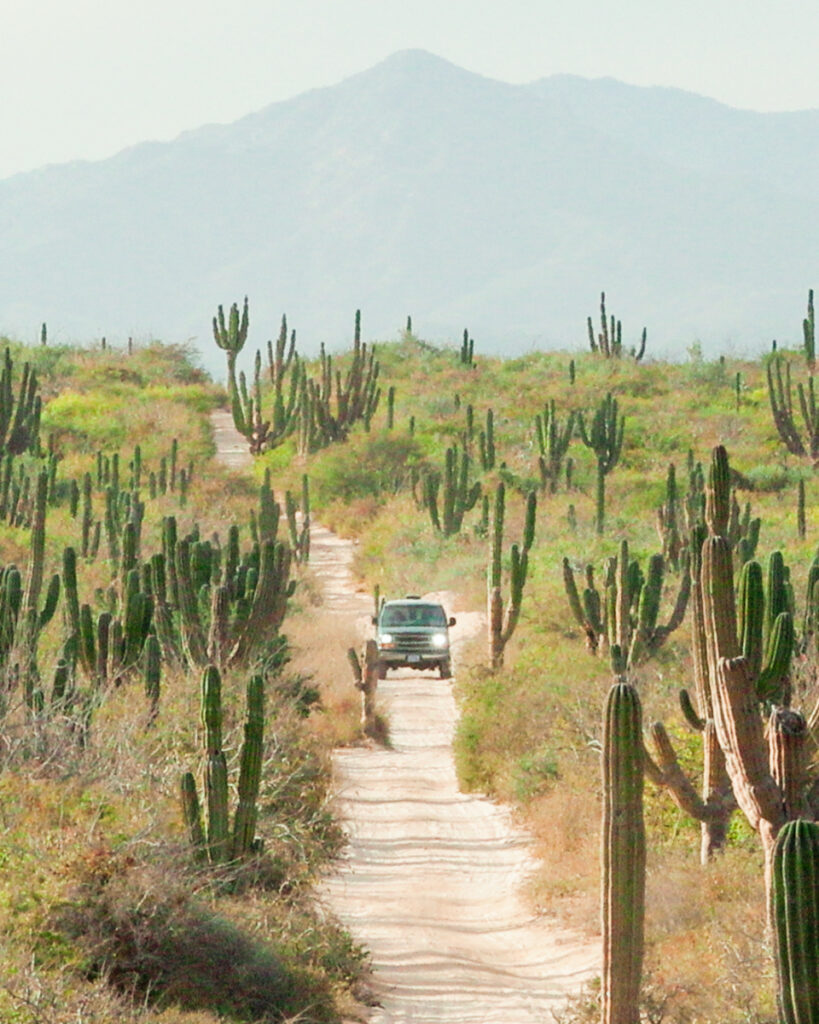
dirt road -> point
(431, 879)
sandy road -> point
(431, 879)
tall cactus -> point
(20, 416)
(626, 613)
(605, 438)
(809, 334)
(502, 623)
(486, 443)
(742, 695)
(230, 334)
(623, 857)
(448, 496)
(33, 617)
(466, 355)
(795, 919)
(214, 841)
(224, 613)
(250, 771)
(609, 342)
(804, 442)
(553, 442)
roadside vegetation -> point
(107, 910)
(107, 907)
(530, 731)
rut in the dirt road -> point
(431, 879)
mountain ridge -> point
(415, 187)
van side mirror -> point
(375, 620)
(452, 620)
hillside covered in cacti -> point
(624, 521)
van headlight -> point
(384, 639)
(439, 640)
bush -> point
(367, 466)
(153, 942)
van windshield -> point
(413, 615)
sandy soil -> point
(431, 880)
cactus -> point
(216, 781)
(20, 416)
(366, 673)
(214, 842)
(31, 618)
(250, 771)
(329, 406)
(299, 531)
(794, 913)
(457, 495)
(502, 623)
(765, 765)
(605, 438)
(153, 674)
(466, 355)
(626, 614)
(553, 442)
(230, 335)
(609, 342)
(809, 334)
(223, 614)
(780, 395)
(668, 521)
(623, 857)
(801, 524)
(486, 443)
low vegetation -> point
(433, 458)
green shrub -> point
(367, 466)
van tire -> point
(445, 669)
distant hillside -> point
(420, 188)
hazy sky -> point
(85, 78)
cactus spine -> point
(624, 857)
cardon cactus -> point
(502, 622)
(250, 770)
(805, 441)
(623, 856)
(553, 438)
(213, 841)
(230, 335)
(449, 496)
(626, 614)
(795, 920)
(216, 781)
(609, 342)
(605, 438)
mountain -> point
(419, 188)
